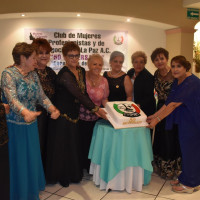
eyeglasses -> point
(71, 56)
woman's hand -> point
(153, 123)
(149, 118)
(101, 113)
(7, 108)
(29, 116)
(55, 114)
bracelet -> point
(158, 118)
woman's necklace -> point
(113, 75)
(94, 82)
(42, 73)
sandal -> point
(182, 189)
(174, 182)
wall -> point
(140, 37)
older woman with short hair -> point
(22, 90)
(182, 108)
(143, 83)
(120, 85)
(63, 159)
(98, 91)
(166, 149)
(48, 80)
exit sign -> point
(192, 13)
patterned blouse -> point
(97, 95)
(3, 125)
(163, 85)
(47, 79)
(22, 92)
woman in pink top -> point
(98, 91)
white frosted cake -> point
(125, 114)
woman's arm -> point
(128, 88)
(162, 113)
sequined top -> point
(3, 125)
(163, 84)
(22, 92)
(47, 79)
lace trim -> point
(21, 123)
(69, 118)
(95, 109)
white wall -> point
(140, 37)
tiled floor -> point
(158, 189)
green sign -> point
(192, 13)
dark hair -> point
(70, 46)
(182, 60)
(116, 54)
(41, 42)
(159, 51)
(22, 48)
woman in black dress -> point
(4, 161)
(143, 83)
(47, 79)
(166, 148)
(63, 159)
(120, 86)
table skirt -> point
(129, 179)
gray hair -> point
(116, 54)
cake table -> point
(120, 158)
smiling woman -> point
(47, 79)
(22, 90)
(64, 151)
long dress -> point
(47, 79)
(4, 161)
(63, 158)
(26, 171)
(166, 148)
(187, 118)
(116, 88)
(87, 119)
(143, 90)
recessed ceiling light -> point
(78, 15)
(128, 20)
(23, 15)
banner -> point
(103, 42)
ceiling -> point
(191, 3)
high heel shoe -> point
(182, 189)
(174, 182)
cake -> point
(125, 114)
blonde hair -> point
(93, 56)
(139, 54)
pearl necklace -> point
(115, 74)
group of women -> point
(51, 117)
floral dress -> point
(166, 148)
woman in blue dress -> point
(182, 108)
(22, 90)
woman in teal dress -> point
(4, 162)
(182, 108)
(22, 90)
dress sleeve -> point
(68, 81)
(9, 89)
(43, 100)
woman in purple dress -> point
(182, 108)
